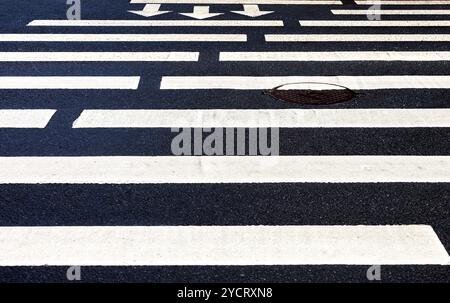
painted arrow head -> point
(201, 16)
(149, 14)
(150, 10)
(252, 14)
(252, 11)
(201, 12)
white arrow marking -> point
(150, 10)
(201, 12)
(252, 11)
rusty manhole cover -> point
(311, 93)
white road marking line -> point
(224, 169)
(25, 118)
(167, 23)
(97, 56)
(221, 245)
(365, 118)
(123, 37)
(276, 2)
(262, 82)
(402, 2)
(79, 82)
(335, 56)
(390, 12)
(359, 38)
(370, 23)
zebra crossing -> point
(88, 108)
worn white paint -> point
(358, 38)
(223, 169)
(97, 56)
(25, 118)
(296, 118)
(268, 82)
(220, 245)
(335, 56)
(156, 23)
(391, 12)
(376, 23)
(123, 38)
(69, 82)
(397, 2)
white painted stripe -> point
(25, 118)
(167, 23)
(403, 2)
(370, 23)
(352, 82)
(224, 169)
(80, 82)
(335, 56)
(97, 56)
(390, 12)
(141, 118)
(277, 2)
(123, 37)
(359, 38)
(220, 245)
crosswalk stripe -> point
(123, 37)
(223, 169)
(263, 82)
(264, 118)
(358, 38)
(401, 2)
(25, 118)
(277, 2)
(390, 12)
(370, 23)
(66, 82)
(335, 56)
(96, 56)
(167, 23)
(220, 245)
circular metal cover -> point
(311, 93)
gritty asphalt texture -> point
(223, 204)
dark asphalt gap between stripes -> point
(157, 142)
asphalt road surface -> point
(88, 175)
